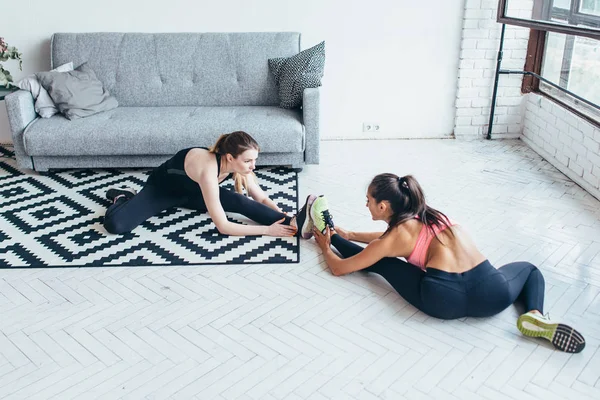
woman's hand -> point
(277, 229)
(322, 239)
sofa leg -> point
(297, 168)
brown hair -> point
(235, 143)
(407, 201)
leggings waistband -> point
(481, 269)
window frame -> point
(542, 9)
(535, 57)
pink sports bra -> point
(419, 253)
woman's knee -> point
(232, 201)
(116, 226)
(533, 270)
(527, 264)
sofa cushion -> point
(180, 69)
(162, 130)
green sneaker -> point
(320, 215)
(562, 336)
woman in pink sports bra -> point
(446, 276)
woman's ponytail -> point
(407, 201)
(218, 146)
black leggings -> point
(480, 292)
(124, 215)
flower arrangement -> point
(8, 53)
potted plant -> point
(8, 53)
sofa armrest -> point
(311, 115)
(21, 112)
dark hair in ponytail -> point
(235, 143)
(407, 201)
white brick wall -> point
(568, 142)
(479, 50)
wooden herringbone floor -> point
(297, 332)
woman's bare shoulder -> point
(199, 162)
(402, 238)
(199, 153)
(396, 234)
(409, 229)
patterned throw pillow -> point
(296, 73)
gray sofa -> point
(175, 90)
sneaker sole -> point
(307, 226)
(562, 336)
(313, 217)
(114, 192)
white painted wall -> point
(389, 61)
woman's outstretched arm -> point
(256, 192)
(375, 251)
(209, 185)
(362, 237)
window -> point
(591, 7)
(564, 49)
(573, 62)
(572, 12)
(576, 17)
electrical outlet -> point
(371, 127)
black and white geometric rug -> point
(56, 221)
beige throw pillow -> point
(78, 93)
(44, 105)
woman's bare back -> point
(454, 252)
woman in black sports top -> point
(191, 179)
